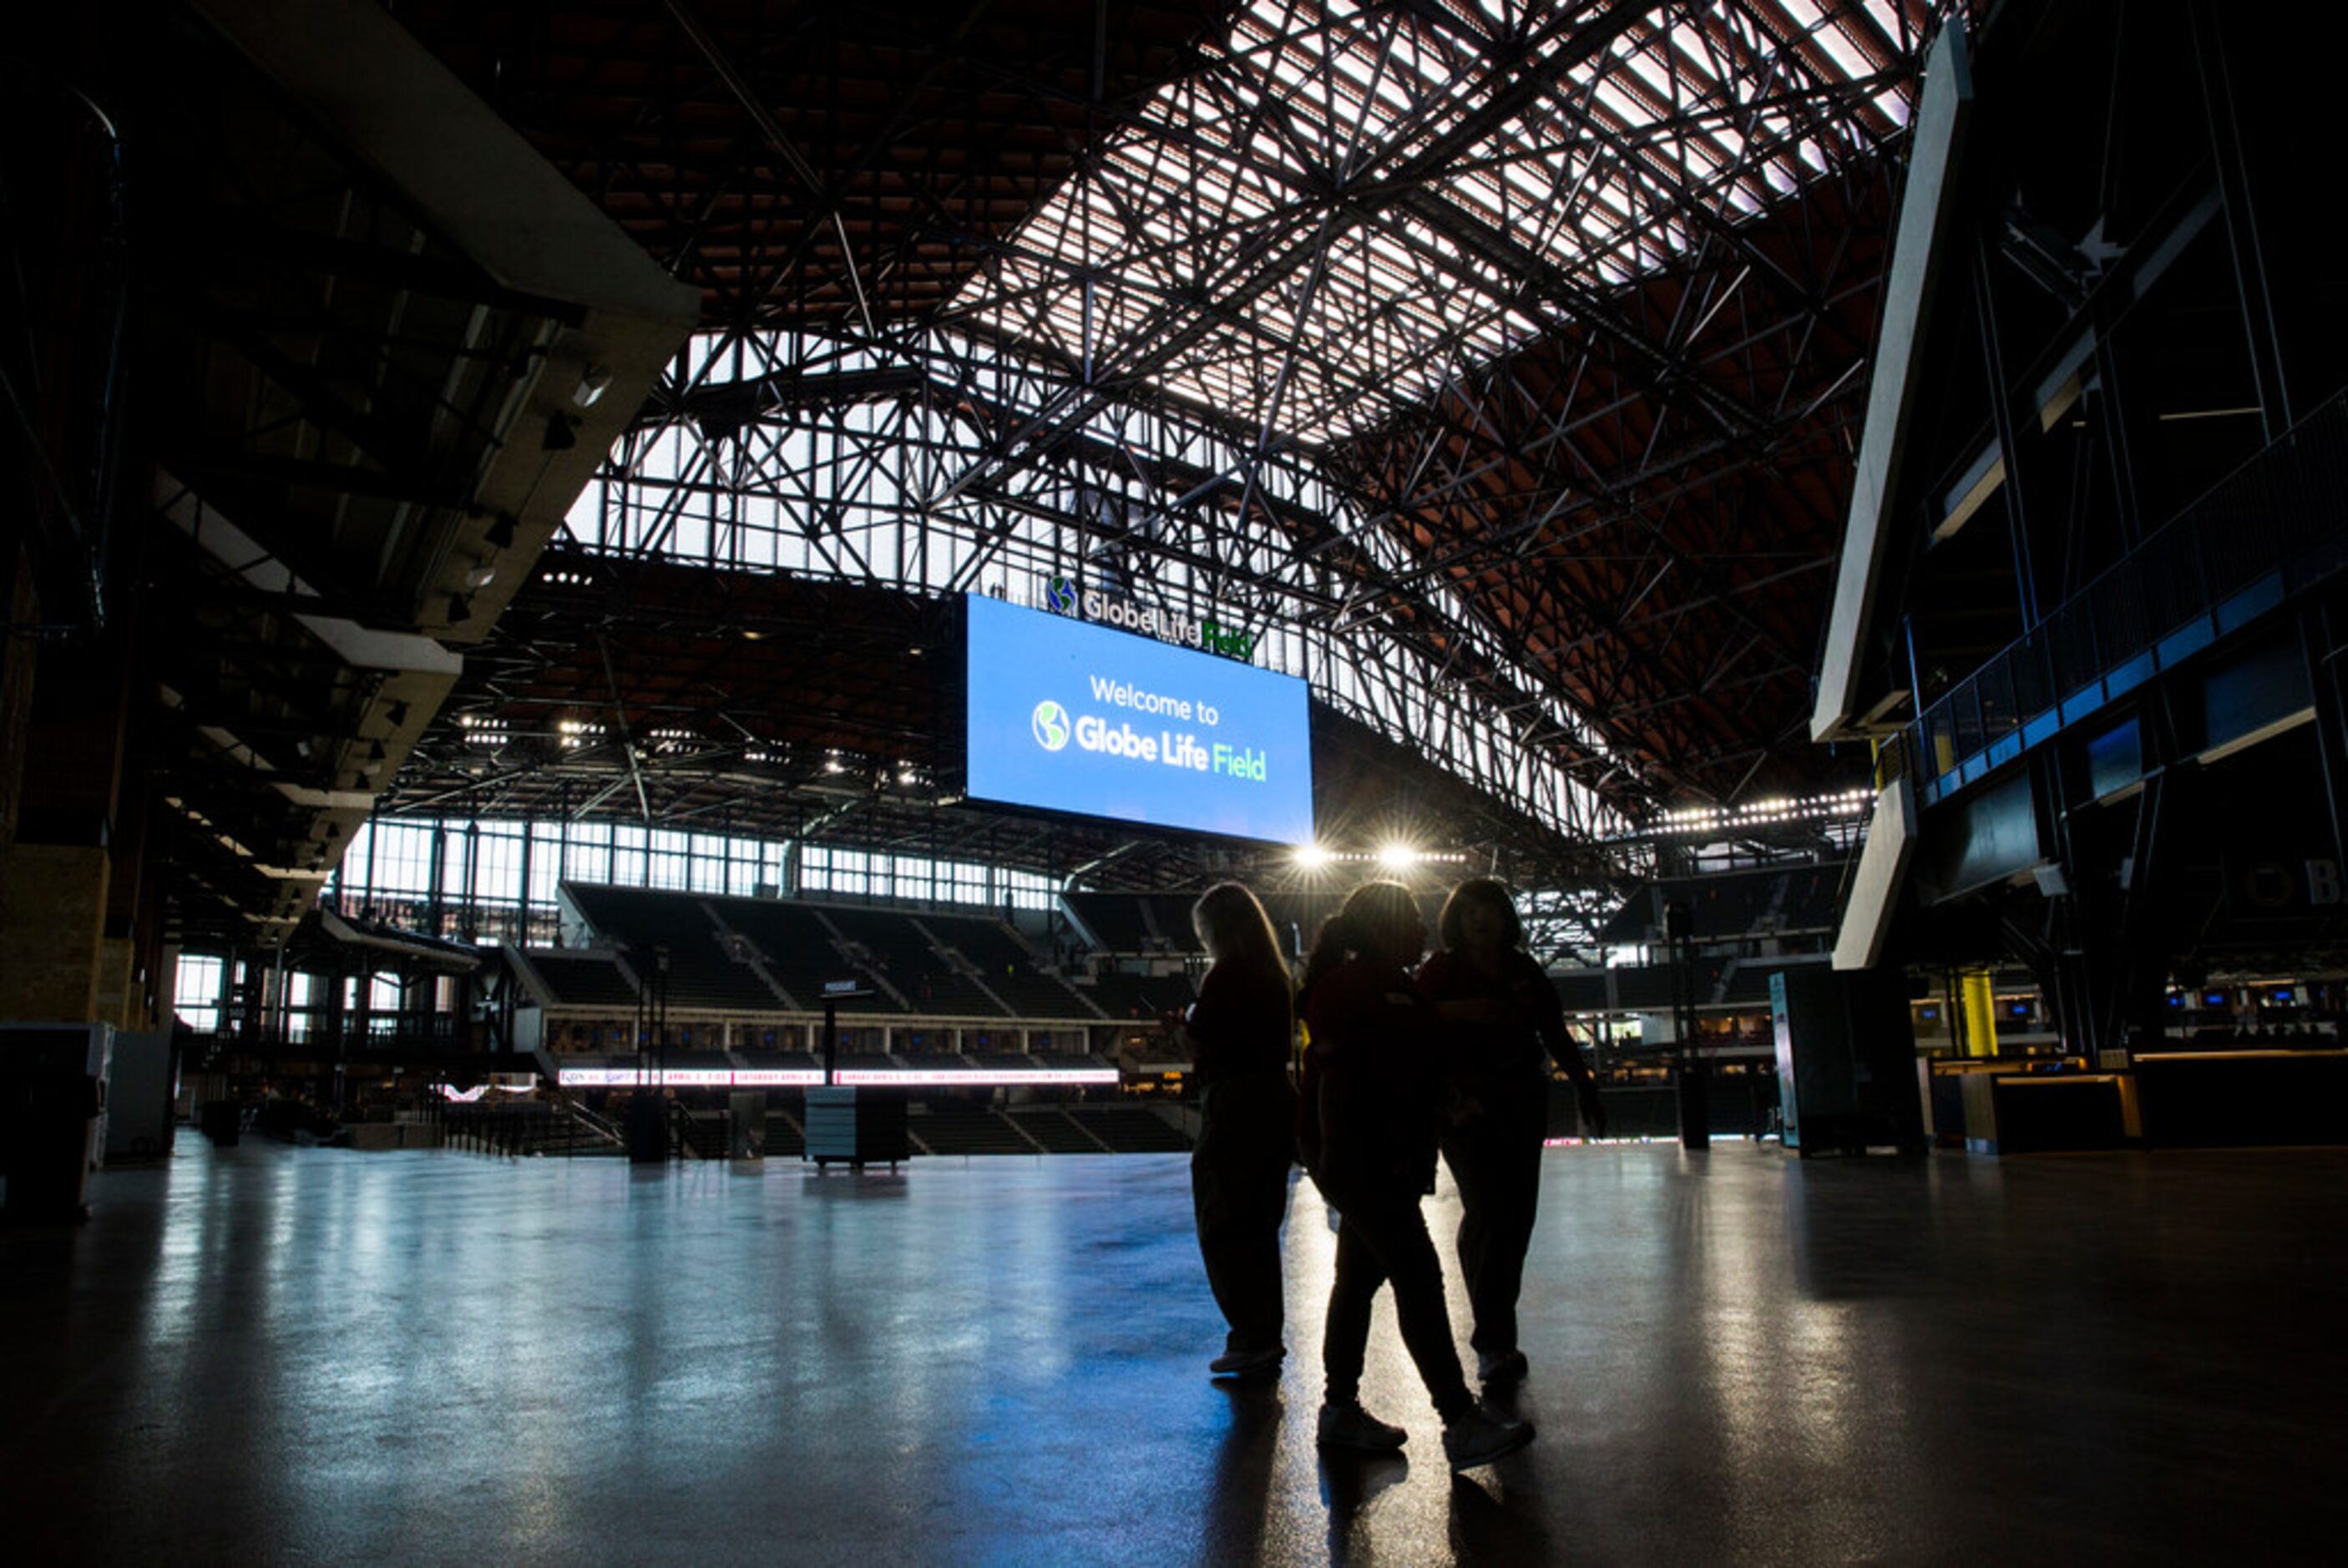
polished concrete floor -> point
(268, 1354)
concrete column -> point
(121, 999)
(67, 868)
(17, 659)
(52, 939)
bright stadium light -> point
(1397, 856)
(1311, 856)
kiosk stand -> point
(52, 1117)
(852, 1125)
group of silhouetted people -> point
(1402, 1060)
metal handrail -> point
(2279, 515)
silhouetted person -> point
(1502, 1015)
(1239, 1032)
(1372, 1078)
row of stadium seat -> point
(754, 955)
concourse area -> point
(723, 724)
(267, 1353)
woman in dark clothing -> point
(1239, 1032)
(1371, 1077)
(1504, 1027)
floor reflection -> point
(1490, 1524)
(1239, 1492)
(1349, 1484)
(272, 1354)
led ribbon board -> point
(807, 1078)
(1075, 718)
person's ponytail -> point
(1341, 935)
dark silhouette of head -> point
(1235, 929)
(1379, 921)
(1479, 899)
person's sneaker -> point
(1506, 1367)
(1348, 1426)
(1481, 1435)
(1246, 1364)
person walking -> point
(1367, 1126)
(1503, 1026)
(1239, 1032)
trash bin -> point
(221, 1121)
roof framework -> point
(1351, 206)
(1497, 365)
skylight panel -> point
(1805, 14)
(1837, 44)
(1383, 252)
(1481, 194)
(1697, 55)
(1701, 156)
(1626, 111)
(1537, 180)
(1516, 326)
(1488, 17)
(1655, 77)
(1385, 77)
(1601, 221)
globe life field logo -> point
(1063, 596)
(1050, 723)
(1168, 747)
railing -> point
(307, 1029)
(600, 1129)
(514, 1130)
(700, 1137)
(2264, 534)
